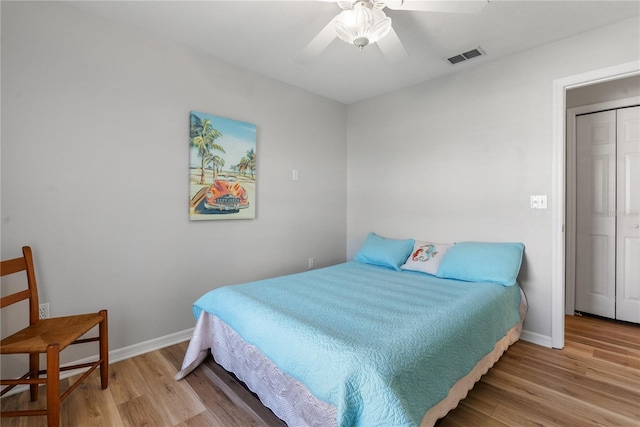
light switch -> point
(542, 202)
(294, 175)
(539, 202)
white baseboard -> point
(536, 338)
(148, 346)
(124, 353)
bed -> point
(370, 342)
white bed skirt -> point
(289, 399)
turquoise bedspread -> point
(382, 346)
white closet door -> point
(628, 216)
(595, 213)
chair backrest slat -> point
(14, 298)
(12, 266)
(16, 265)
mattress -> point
(409, 388)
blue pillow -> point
(390, 253)
(482, 262)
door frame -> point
(571, 190)
(558, 182)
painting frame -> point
(222, 168)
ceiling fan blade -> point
(319, 43)
(392, 47)
(450, 6)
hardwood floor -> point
(593, 381)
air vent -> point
(466, 56)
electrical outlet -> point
(44, 311)
(311, 262)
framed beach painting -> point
(222, 168)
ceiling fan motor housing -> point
(361, 42)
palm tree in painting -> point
(218, 163)
(208, 160)
(202, 137)
(251, 155)
(248, 163)
(243, 166)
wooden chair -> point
(50, 337)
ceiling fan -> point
(363, 22)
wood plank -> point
(143, 411)
(18, 402)
(603, 329)
(175, 398)
(90, 406)
(466, 415)
(484, 403)
(227, 399)
(126, 381)
(559, 399)
(175, 354)
(204, 419)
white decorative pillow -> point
(426, 257)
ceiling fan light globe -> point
(362, 23)
(363, 17)
(353, 23)
(380, 29)
(345, 26)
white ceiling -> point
(266, 36)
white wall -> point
(457, 158)
(95, 164)
(608, 91)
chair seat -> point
(59, 330)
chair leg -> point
(34, 367)
(104, 350)
(53, 385)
